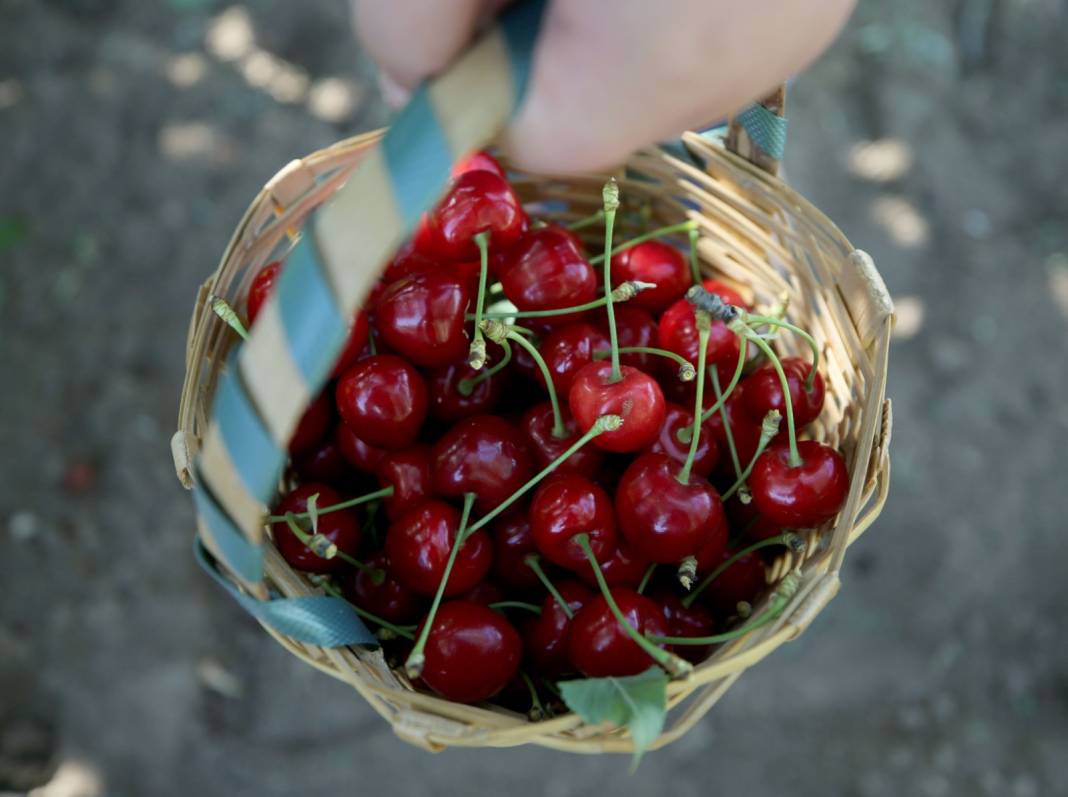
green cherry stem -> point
(399, 630)
(385, 492)
(769, 427)
(695, 265)
(726, 425)
(645, 579)
(476, 358)
(559, 429)
(795, 457)
(222, 308)
(675, 666)
(610, 195)
(533, 562)
(530, 607)
(704, 329)
(684, 226)
(323, 548)
(736, 377)
(623, 292)
(537, 710)
(789, 539)
(606, 423)
(588, 221)
(465, 387)
(772, 321)
(686, 370)
(414, 664)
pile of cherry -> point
(505, 476)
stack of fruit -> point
(534, 463)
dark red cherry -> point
(599, 647)
(478, 201)
(545, 637)
(688, 621)
(357, 453)
(484, 455)
(383, 400)
(512, 543)
(479, 160)
(678, 333)
(323, 463)
(744, 431)
(763, 392)
(453, 397)
(421, 317)
(409, 259)
(655, 262)
(313, 426)
(537, 427)
(546, 270)
(340, 527)
(802, 496)
(472, 652)
(565, 506)
(622, 568)
(636, 327)
(663, 519)
(746, 519)
(484, 593)
(262, 286)
(408, 472)
(636, 398)
(418, 546)
(522, 362)
(667, 442)
(388, 599)
(744, 580)
(567, 350)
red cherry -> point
(479, 160)
(358, 334)
(484, 455)
(546, 270)
(472, 652)
(802, 496)
(383, 400)
(522, 362)
(357, 453)
(478, 201)
(635, 327)
(763, 392)
(340, 527)
(744, 581)
(409, 259)
(323, 463)
(567, 350)
(599, 647)
(678, 333)
(484, 593)
(636, 398)
(421, 317)
(537, 427)
(408, 472)
(313, 426)
(262, 286)
(689, 621)
(512, 543)
(744, 431)
(449, 404)
(545, 638)
(725, 292)
(663, 519)
(746, 519)
(655, 262)
(624, 567)
(709, 554)
(667, 442)
(389, 599)
(418, 546)
(565, 506)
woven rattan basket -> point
(757, 234)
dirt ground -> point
(134, 135)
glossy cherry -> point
(725, 292)
(512, 543)
(743, 581)
(636, 327)
(763, 392)
(479, 160)
(746, 519)
(484, 455)
(453, 397)
(357, 453)
(262, 286)
(340, 527)
(314, 425)
(383, 400)
(599, 647)
(546, 270)
(624, 567)
(678, 333)
(545, 638)
(418, 546)
(636, 398)
(388, 599)
(568, 350)
(478, 201)
(408, 472)
(744, 431)
(472, 652)
(802, 496)
(663, 519)
(409, 259)
(484, 593)
(567, 505)
(537, 425)
(323, 463)
(655, 262)
(689, 621)
(676, 418)
(421, 317)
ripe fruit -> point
(418, 546)
(636, 398)
(340, 527)
(262, 286)
(537, 426)
(421, 317)
(567, 350)
(484, 455)
(676, 418)
(655, 262)
(763, 392)
(565, 506)
(478, 201)
(454, 395)
(546, 270)
(388, 598)
(313, 425)
(383, 400)
(356, 452)
(545, 638)
(512, 543)
(408, 472)
(802, 496)
(624, 567)
(599, 647)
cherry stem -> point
(779, 600)
(537, 710)
(559, 429)
(769, 427)
(736, 377)
(789, 539)
(414, 664)
(645, 578)
(222, 308)
(465, 387)
(533, 562)
(795, 457)
(606, 423)
(674, 665)
(530, 607)
(588, 221)
(610, 195)
(385, 492)
(623, 292)
(399, 630)
(686, 370)
(695, 266)
(726, 424)
(684, 226)
(811, 341)
(704, 329)
(477, 355)
(324, 548)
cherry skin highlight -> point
(565, 506)
(418, 546)
(763, 392)
(636, 398)
(408, 472)
(478, 201)
(340, 527)
(537, 426)
(484, 455)
(421, 317)
(802, 496)
(656, 262)
(545, 638)
(599, 647)
(383, 400)
(546, 270)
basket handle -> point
(758, 132)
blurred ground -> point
(134, 134)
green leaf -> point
(637, 701)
